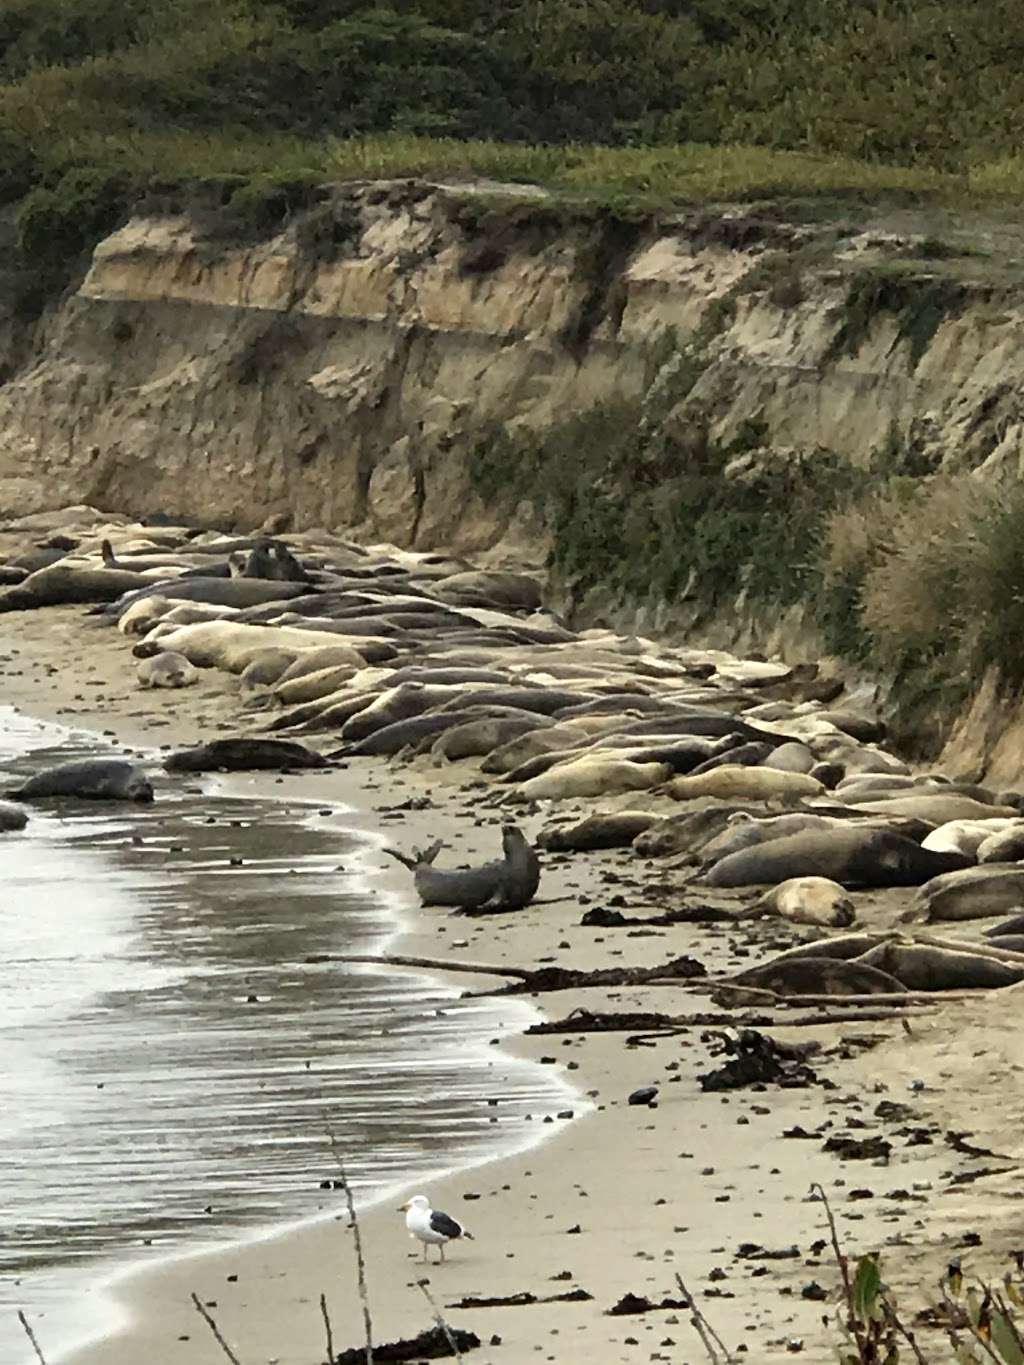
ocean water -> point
(172, 1070)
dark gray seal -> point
(926, 967)
(617, 829)
(88, 779)
(243, 755)
(11, 817)
(63, 584)
(851, 857)
(508, 883)
(819, 976)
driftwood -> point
(756, 995)
(681, 972)
(673, 972)
(654, 1025)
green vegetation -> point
(638, 101)
(916, 576)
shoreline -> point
(113, 1294)
(627, 1197)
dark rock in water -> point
(429, 1345)
(647, 1095)
(244, 755)
(757, 1059)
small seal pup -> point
(166, 670)
(808, 900)
(88, 779)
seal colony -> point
(758, 777)
(754, 848)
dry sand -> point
(616, 1199)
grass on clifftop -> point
(633, 103)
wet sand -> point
(620, 1198)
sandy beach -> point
(610, 1199)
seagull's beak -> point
(403, 1208)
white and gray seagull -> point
(430, 1226)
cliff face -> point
(348, 370)
(340, 373)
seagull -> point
(432, 1227)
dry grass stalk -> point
(364, 1296)
(208, 1319)
(327, 1329)
(31, 1336)
(713, 1343)
(424, 1286)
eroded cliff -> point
(355, 365)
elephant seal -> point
(738, 783)
(87, 779)
(927, 967)
(508, 883)
(168, 564)
(966, 836)
(809, 900)
(477, 588)
(939, 810)
(230, 646)
(676, 834)
(507, 757)
(819, 976)
(861, 728)
(748, 755)
(12, 817)
(271, 559)
(1010, 943)
(745, 831)
(218, 592)
(591, 777)
(850, 856)
(142, 615)
(166, 670)
(243, 755)
(617, 829)
(397, 703)
(975, 893)
(478, 737)
(265, 668)
(63, 584)
(1015, 925)
(1005, 847)
(323, 682)
(315, 660)
(791, 757)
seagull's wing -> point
(447, 1227)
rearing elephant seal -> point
(508, 883)
(88, 779)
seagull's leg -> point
(441, 1250)
(425, 1249)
